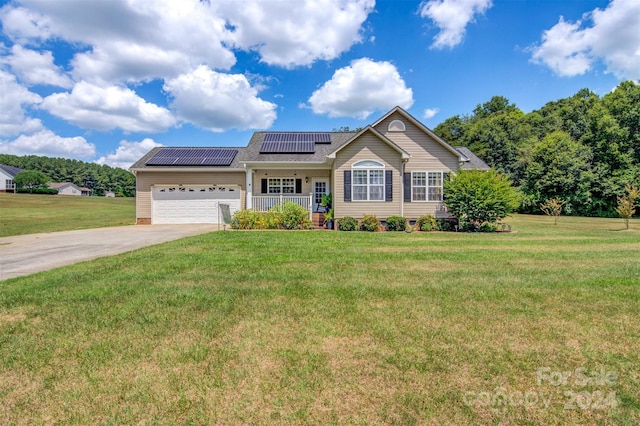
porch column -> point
(249, 187)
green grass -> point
(331, 328)
(22, 214)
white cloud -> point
(292, 33)
(93, 107)
(570, 49)
(430, 113)
(36, 68)
(137, 40)
(141, 40)
(22, 24)
(47, 143)
(128, 153)
(13, 100)
(361, 88)
(218, 102)
(452, 18)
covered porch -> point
(268, 187)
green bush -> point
(370, 223)
(446, 225)
(396, 223)
(478, 196)
(247, 219)
(45, 191)
(426, 223)
(347, 223)
(291, 216)
(488, 227)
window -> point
(8, 183)
(281, 185)
(426, 186)
(368, 181)
(396, 126)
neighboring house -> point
(7, 173)
(396, 166)
(68, 188)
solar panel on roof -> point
(287, 147)
(193, 157)
(317, 137)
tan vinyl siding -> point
(427, 155)
(367, 147)
(146, 179)
(296, 174)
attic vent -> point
(397, 126)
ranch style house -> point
(393, 167)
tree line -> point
(582, 150)
(98, 178)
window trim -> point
(427, 186)
(368, 166)
(281, 185)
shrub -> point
(247, 219)
(488, 227)
(370, 223)
(396, 223)
(347, 223)
(290, 215)
(426, 223)
(478, 196)
(446, 225)
(46, 191)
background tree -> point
(31, 179)
(552, 207)
(476, 196)
(559, 167)
(627, 203)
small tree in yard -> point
(627, 203)
(31, 179)
(477, 196)
(552, 207)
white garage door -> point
(192, 203)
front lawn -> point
(537, 326)
(30, 213)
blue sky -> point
(106, 80)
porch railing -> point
(263, 203)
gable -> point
(426, 149)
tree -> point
(552, 207)
(627, 203)
(31, 179)
(476, 196)
(559, 167)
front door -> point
(320, 187)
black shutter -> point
(298, 186)
(445, 177)
(264, 186)
(388, 185)
(347, 185)
(407, 187)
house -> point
(68, 188)
(7, 173)
(395, 166)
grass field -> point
(29, 214)
(537, 326)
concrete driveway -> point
(28, 254)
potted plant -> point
(328, 219)
(326, 202)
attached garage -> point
(174, 204)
